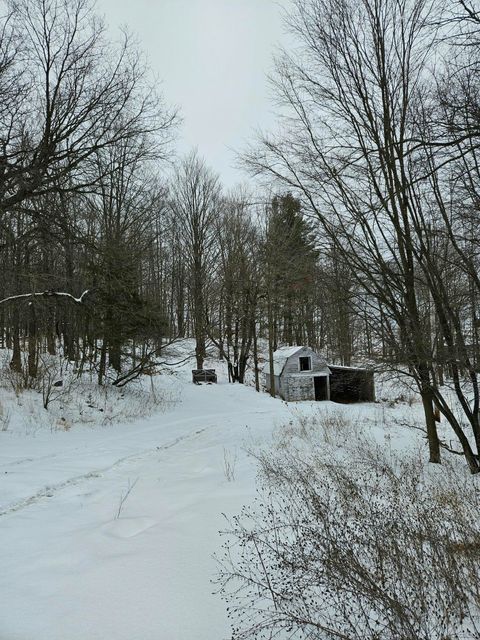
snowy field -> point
(109, 527)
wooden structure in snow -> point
(299, 373)
(204, 375)
(351, 384)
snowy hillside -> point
(109, 528)
(73, 568)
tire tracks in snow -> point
(49, 491)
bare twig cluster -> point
(361, 551)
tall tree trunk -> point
(271, 346)
(16, 361)
(430, 422)
(255, 353)
(32, 342)
(103, 363)
(199, 311)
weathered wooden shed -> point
(300, 373)
(351, 384)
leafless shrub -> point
(4, 418)
(331, 424)
(337, 426)
(124, 497)
(19, 380)
(299, 426)
(333, 551)
(402, 398)
(52, 375)
(229, 464)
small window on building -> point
(305, 363)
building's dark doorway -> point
(320, 387)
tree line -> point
(362, 241)
(381, 142)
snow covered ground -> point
(108, 531)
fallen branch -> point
(146, 363)
(48, 294)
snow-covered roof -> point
(280, 357)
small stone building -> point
(300, 373)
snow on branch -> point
(47, 294)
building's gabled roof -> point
(280, 357)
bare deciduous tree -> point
(68, 93)
(355, 94)
(195, 194)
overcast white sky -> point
(213, 57)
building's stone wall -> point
(298, 388)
